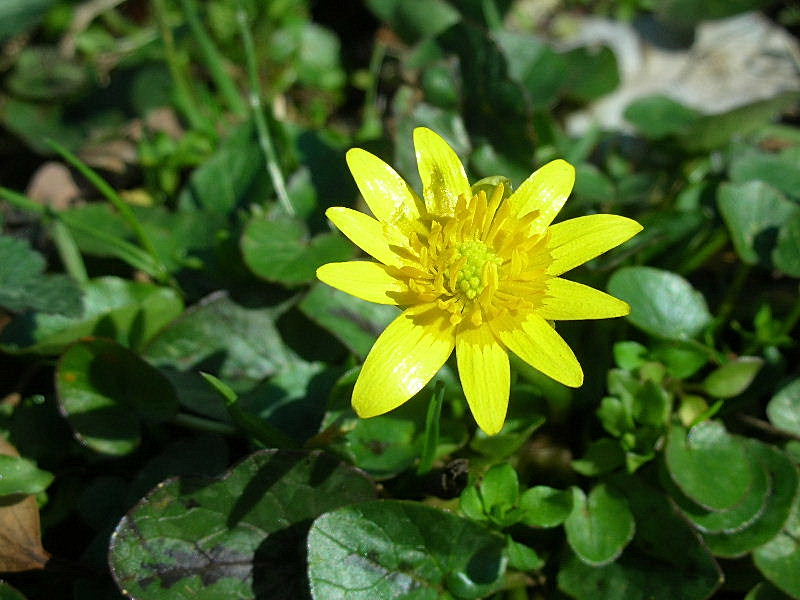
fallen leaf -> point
(20, 533)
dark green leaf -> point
(665, 559)
(600, 526)
(24, 285)
(603, 456)
(127, 311)
(779, 560)
(784, 408)
(105, 389)
(21, 476)
(18, 15)
(786, 254)
(544, 506)
(279, 251)
(591, 72)
(662, 303)
(9, 593)
(766, 591)
(659, 116)
(708, 448)
(355, 322)
(241, 536)
(533, 64)
(754, 213)
(735, 518)
(395, 549)
(778, 170)
(783, 494)
(233, 177)
(242, 346)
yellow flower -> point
(475, 272)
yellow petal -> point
(364, 279)
(404, 358)
(537, 343)
(443, 176)
(485, 376)
(579, 240)
(545, 190)
(364, 231)
(387, 194)
(569, 300)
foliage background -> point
(174, 384)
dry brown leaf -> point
(52, 185)
(20, 533)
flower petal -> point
(546, 190)
(443, 176)
(404, 358)
(537, 343)
(363, 279)
(364, 231)
(579, 240)
(568, 300)
(485, 376)
(387, 194)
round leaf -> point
(707, 449)
(544, 506)
(20, 476)
(600, 526)
(662, 303)
(240, 536)
(387, 549)
(278, 250)
(732, 378)
(782, 495)
(784, 408)
(104, 390)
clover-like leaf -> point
(600, 525)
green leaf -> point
(500, 486)
(533, 64)
(779, 560)
(602, 456)
(665, 560)
(754, 213)
(662, 303)
(732, 378)
(21, 476)
(240, 536)
(782, 495)
(735, 518)
(18, 15)
(786, 254)
(393, 549)
(544, 506)
(778, 170)
(591, 72)
(42, 73)
(784, 408)
(766, 591)
(105, 391)
(629, 355)
(127, 311)
(280, 251)
(242, 346)
(9, 593)
(384, 446)
(232, 177)
(522, 557)
(353, 321)
(24, 285)
(658, 117)
(600, 526)
(709, 448)
(681, 359)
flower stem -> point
(264, 138)
(431, 440)
(203, 424)
(69, 253)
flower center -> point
(481, 261)
(471, 280)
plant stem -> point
(731, 296)
(203, 424)
(264, 138)
(122, 207)
(23, 202)
(213, 59)
(184, 97)
(431, 440)
(69, 253)
(371, 126)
